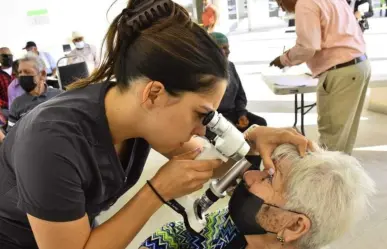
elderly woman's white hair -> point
(38, 62)
(331, 188)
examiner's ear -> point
(154, 95)
(298, 226)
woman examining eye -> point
(73, 156)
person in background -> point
(366, 14)
(48, 60)
(335, 52)
(32, 78)
(74, 156)
(3, 123)
(83, 52)
(14, 89)
(383, 3)
(363, 15)
(2, 136)
(209, 16)
(308, 203)
(234, 101)
(363, 10)
(6, 60)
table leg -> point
(302, 114)
(295, 110)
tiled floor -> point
(251, 53)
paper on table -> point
(295, 70)
(292, 80)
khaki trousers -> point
(340, 99)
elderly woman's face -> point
(269, 188)
(273, 217)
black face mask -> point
(27, 83)
(243, 208)
(6, 60)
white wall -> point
(258, 13)
(87, 16)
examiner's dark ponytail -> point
(156, 39)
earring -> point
(281, 239)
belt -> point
(350, 63)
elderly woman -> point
(306, 204)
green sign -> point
(40, 12)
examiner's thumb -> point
(190, 155)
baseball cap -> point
(30, 44)
(76, 34)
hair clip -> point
(146, 13)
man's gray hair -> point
(331, 188)
(38, 62)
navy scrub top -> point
(59, 163)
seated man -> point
(3, 121)
(305, 204)
(32, 78)
(233, 104)
(14, 89)
(6, 76)
(47, 58)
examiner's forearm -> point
(120, 230)
(296, 55)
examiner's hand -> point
(183, 175)
(265, 140)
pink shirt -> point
(327, 35)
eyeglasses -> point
(275, 206)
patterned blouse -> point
(218, 233)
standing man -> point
(48, 60)
(330, 41)
(83, 52)
(6, 60)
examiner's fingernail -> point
(271, 171)
(198, 149)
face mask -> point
(243, 208)
(80, 45)
(27, 83)
(6, 60)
